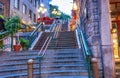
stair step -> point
(35, 57)
(14, 75)
(68, 76)
(66, 72)
(61, 61)
(44, 68)
(62, 71)
(43, 61)
(59, 51)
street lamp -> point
(74, 11)
(56, 13)
(59, 13)
(74, 7)
(42, 9)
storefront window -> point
(115, 39)
(115, 17)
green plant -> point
(24, 43)
(1, 16)
(13, 25)
(1, 45)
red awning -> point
(47, 20)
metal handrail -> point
(34, 34)
(47, 41)
(86, 49)
(36, 29)
(43, 46)
(52, 26)
(42, 51)
(4, 34)
(57, 32)
(46, 46)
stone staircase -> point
(14, 64)
(62, 63)
(65, 40)
(63, 59)
(64, 26)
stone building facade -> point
(95, 21)
(5, 7)
(25, 9)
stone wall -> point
(91, 28)
(96, 27)
(106, 40)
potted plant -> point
(13, 24)
(17, 46)
(24, 43)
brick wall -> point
(6, 8)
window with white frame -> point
(16, 4)
(34, 17)
(30, 14)
(24, 8)
(35, 3)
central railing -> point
(85, 49)
(54, 28)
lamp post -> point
(56, 13)
(74, 11)
(74, 16)
(42, 10)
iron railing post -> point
(89, 66)
(39, 61)
(95, 68)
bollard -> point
(95, 68)
(30, 68)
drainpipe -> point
(100, 41)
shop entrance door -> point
(115, 16)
